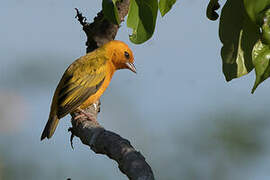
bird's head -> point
(122, 56)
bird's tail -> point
(50, 127)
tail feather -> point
(50, 127)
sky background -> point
(178, 110)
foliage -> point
(142, 19)
(110, 11)
(142, 16)
(165, 6)
(244, 31)
(245, 34)
(238, 36)
(211, 10)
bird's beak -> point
(131, 67)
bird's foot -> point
(88, 115)
(71, 136)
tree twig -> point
(92, 134)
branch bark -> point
(91, 133)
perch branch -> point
(92, 134)
(101, 141)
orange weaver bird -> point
(86, 79)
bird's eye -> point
(126, 55)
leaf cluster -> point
(142, 16)
(244, 31)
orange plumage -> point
(86, 79)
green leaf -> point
(266, 27)
(238, 35)
(255, 9)
(211, 13)
(261, 57)
(142, 19)
(165, 6)
(266, 33)
(110, 11)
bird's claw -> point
(88, 115)
(71, 136)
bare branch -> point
(101, 141)
(101, 30)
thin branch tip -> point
(80, 17)
(71, 137)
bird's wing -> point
(78, 83)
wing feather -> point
(78, 84)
